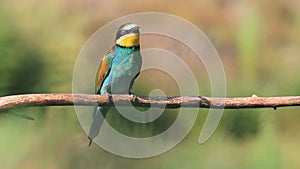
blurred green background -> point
(259, 45)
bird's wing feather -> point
(100, 112)
(104, 69)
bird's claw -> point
(135, 98)
(109, 96)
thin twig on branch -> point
(147, 101)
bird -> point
(117, 71)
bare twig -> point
(147, 101)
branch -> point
(147, 101)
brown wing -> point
(104, 69)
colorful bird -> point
(118, 70)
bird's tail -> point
(99, 115)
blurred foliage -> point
(258, 42)
(243, 124)
(248, 45)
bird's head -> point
(128, 35)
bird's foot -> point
(135, 98)
(109, 96)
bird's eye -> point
(123, 32)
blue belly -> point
(125, 67)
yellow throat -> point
(129, 40)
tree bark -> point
(147, 101)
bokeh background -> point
(259, 45)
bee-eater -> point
(117, 71)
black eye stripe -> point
(123, 32)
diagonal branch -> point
(147, 101)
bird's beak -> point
(136, 29)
